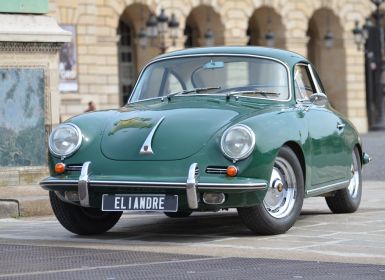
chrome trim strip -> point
(147, 148)
(315, 82)
(331, 187)
(83, 185)
(191, 190)
(156, 185)
(212, 55)
(73, 168)
(216, 170)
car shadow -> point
(199, 227)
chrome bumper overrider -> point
(191, 186)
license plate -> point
(140, 202)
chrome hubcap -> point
(281, 195)
(355, 179)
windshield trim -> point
(213, 55)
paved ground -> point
(374, 144)
(321, 245)
(204, 246)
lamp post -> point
(157, 27)
(328, 37)
(370, 35)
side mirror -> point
(318, 99)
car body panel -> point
(187, 129)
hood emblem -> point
(146, 148)
(131, 123)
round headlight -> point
(65, 140)
(238, 142)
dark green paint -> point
(191, 132)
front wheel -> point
(348, 200)
(82, 220)
(284, 198)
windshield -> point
(225, 75)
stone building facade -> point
(109, 57)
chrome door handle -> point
(340, 126)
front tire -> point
(348, 200)
(284, 198)
(82, 220)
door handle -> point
(340, 126)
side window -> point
(304, 86)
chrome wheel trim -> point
(279, 204)
(355, 179)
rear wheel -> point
(284, 198)
(179, 214)
(82, 220)
(348, 200)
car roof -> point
(288, 57)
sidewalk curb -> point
(24, 201)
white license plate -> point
(140, 202)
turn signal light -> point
(60, 167)
(232, 171)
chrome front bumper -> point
(84, 183)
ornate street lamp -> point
(209, 38)
(157, 27)
(329, 39)
(370, 35)
(270, 39)
(173, 26)
(269, 36)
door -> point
(329, 156)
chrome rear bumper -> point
(192, 184)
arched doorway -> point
(130, 55)
(200, 23)
(329, 60)
(266, 29)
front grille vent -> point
(216, 170)
(74, 167)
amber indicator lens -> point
(232, 171)
(60, 167)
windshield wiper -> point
(251, 92)
(186, 91)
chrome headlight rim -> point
(77, 146)
(252, 146)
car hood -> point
(173, 130)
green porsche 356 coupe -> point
(208, 129)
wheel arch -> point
(296, 148)
(358, 145)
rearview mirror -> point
(318, 99)
(214, 65)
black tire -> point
(263, 219)
(348, 200)
(82, 220)
(179, 214)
